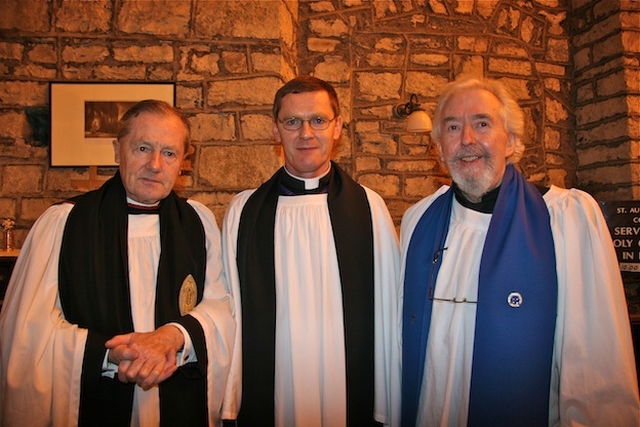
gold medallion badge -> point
(187, 298)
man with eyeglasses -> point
(316, 256)
(514, 311)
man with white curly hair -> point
(514, 311)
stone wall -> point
(379, 53)
(606, 56)
(228, 58)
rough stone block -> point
(7, 208)
(206, 64)
(19, 93)
(473, 44)
(213, 127)
(328, 28)
(468, 65)
(85, 54)
(425, 84)
(248, 91)
(510, 66)
(269, 62)
(606, 175)
(255, 127)
(17, 179)
(13, 126)
(421, 186)
(259, 20)
(557, 50)
(107, 73)
(555, 112)
(25, 15)
(189, 97)
(378, 86)
(148, 54)
(84, 16)
(376, 144)
(43, 53)
(35, 72)
(510, 49)
(582, 58)
(429, 59)
(368, 164)
(237, 167)
(412, 165)
(551, 69)
(611, 84)
(333, 71)
(160, 17)
(598, 31)
(551, 138)
(383, 184)
(599, 110)
(11, 51)
(234, 62)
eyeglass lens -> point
(295, 123)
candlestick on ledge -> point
(9, 241)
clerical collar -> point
(485, 205)
(294, 186)
(488, 201)
(134, 207)
(307, 183)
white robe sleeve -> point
(230, 224)
(387, 337)
(217, 314)
(594, 380)
(40, 352)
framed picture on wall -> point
(84, 118)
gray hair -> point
(152, 106)
(511, 114)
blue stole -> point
(516, 313)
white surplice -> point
(310, 378)
(42, 354)
(593, 379)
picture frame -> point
(84, 118)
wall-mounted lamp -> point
(417, 119)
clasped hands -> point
(146, 358)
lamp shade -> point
(418, 121)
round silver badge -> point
(514, 299)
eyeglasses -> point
(436, 259)
(295, 123)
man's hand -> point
(146, 358)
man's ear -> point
(511, 146)
(276, 131)
(116, 150)
(438, 145)
(337, 130)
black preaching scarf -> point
(94, 294)
(353, 234)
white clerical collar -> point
(309, 183)
(132, 202)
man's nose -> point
(468, 136)
(155, 161)
(306, 131)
